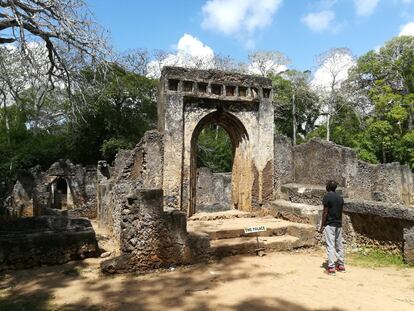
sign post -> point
(256, 229)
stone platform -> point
(227, 237)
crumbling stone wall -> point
(213, 191)
(32, 194)
(283, 159)
(389, 182)
(152, 238)
(50, 240)
(317, 161)
(133, 169)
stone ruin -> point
(153, 199)
(47, 217)
(269, 177)
(64, 188)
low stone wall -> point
(213, 191)
(152, 238)
(45, 240)
(381, 225)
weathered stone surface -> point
(318, 161)
(389, 182)
(190, 99)
(296, 212)
(283, 159)
(385, 210)
(213, 191)
(34, 241)
(307, 194)
(409, 243)
(152, 238)
(35, 191)
(134, 169)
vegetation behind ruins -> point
(78, 99)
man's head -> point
(331, 185)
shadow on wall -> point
(184, 290)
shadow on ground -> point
(187, 288)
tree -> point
(214, 149)
(265, 63)
(61, 25)
(121, 106)
(333, 70)
(386, 79)
(296, 105)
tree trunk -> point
(328, 127)
(294, 119)
(6, 121)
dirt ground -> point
(278, 281)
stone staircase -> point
(301, 203)
(227, 237)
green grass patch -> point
(376, 258)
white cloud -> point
(193, 47)
(407, 29)
(190, 52)
(335, 67)
(365, 7)
(238, 17)
(319, 21)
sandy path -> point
(278, 281)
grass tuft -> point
(373, 258)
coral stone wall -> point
(134, 169)
(213, 191)
(35, 241)
(318, 161)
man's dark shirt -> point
(334, 202)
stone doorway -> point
(241, 159)
(188, 100)
(60, 194)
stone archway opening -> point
(60, 194)
(241, 174)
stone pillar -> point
(408, 236)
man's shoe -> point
(340, 268)
(331, 271)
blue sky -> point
(299, 28)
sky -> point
(301, 29)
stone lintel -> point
(386, 210)
(218, 76)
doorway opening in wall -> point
(214, 165)
(59, 191)
(220, 168)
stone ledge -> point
(386, 210)
(30, 242)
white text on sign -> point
(255, 229)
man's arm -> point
(324, 218)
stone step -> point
(306, 194)
(248, 245)
(297, 212)
(234, 228)
(220, 215)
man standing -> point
(332, 227)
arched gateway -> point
(242, 105)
